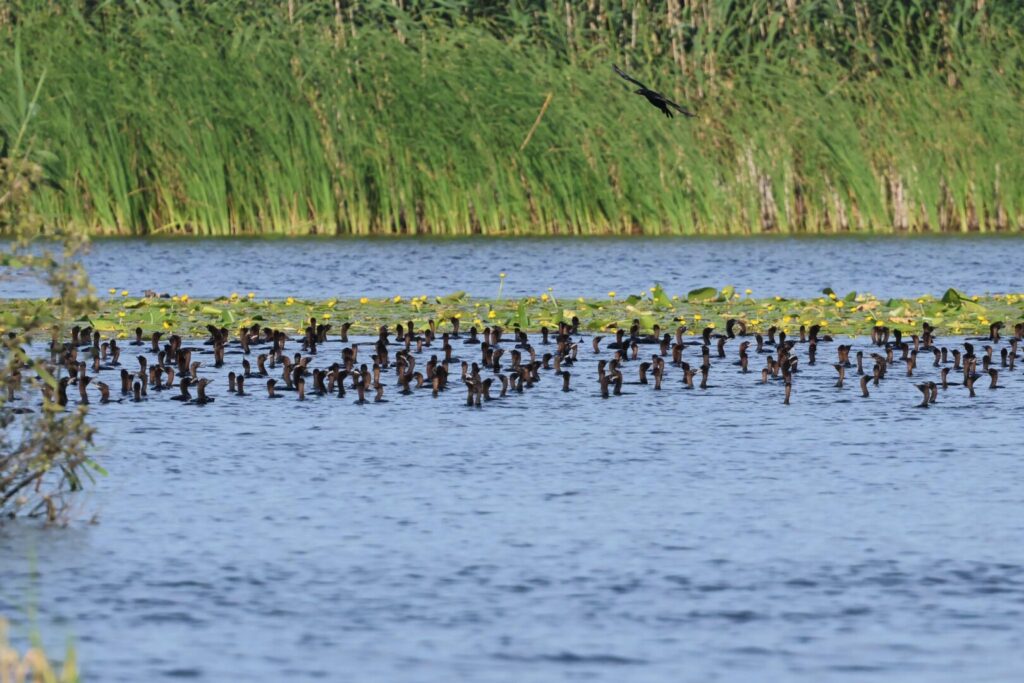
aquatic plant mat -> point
(849, 313)
(462, 117)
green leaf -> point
(452, 298)
(850, 297)
(702, 294)
(96, 467)
(210, 310)
(45, 375)
(633, 298)
(660, 298)
(522, 319)
(953, 297)
(133, 303)
(968, 305)
(727, 292)
(828, 291)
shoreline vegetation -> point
(456, 118)
(34, 666)
(849, 314)
(43, 455)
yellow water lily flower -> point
(611, 295)
(397, 299)
(492, 314)
(289, 301)
(363, 300)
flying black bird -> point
(655, 98)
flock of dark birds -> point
(176, 364)
(494, 363)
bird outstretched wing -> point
(628, 77)
(684, 112)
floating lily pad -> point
(702, 294)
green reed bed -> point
(410, 117)
(847, 314)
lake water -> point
(680, 535)
(889, 267)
